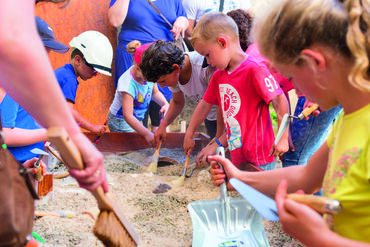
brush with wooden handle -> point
(154, 164)
(321, 204)
(111, 227)
(180, 181)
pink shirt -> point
(285, 84)
(244, 96)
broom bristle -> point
(152, 167)
(111, 232)
(179, 181)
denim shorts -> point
(116, 124)
(308, 135)
(268, 167)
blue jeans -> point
(308, 135)
(116, 124)
(269, 166)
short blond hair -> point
(212, 25)
(342, 25)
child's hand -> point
(280, 148)
(164, 109)
(299, 220)
(160, 134)
(189, 143)
(149, 137)
(98, 129)
(219, 175)
(308, 103)
(202, 157)
(30, 165)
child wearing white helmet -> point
(91, 53)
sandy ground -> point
(159, 219)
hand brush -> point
(111, 227)
(153, 165)
(180, 181)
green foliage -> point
(273, 118)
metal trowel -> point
(267, 207)
(286, 120)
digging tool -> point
(154, 164)
(56, 155)
(226, 220)
(39, 176)
(267, 207)
(111, 227)
(180, 181)
(286, 120)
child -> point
(329, 63)
(243, 88)
(132, 98)
(22, 132)
(91, 53)
(168, 65)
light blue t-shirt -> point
(141, 93)
(14, 116)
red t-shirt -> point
(244, 96)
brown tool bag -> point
(17, 196)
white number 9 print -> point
(271, 83)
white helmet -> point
(96, 49)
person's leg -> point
(145, 119)
(122, 62)
(154, 114)
(211, 127)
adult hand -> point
(160, 134)
(31, 163)
(299, 220)
(149, 137)
(219, 175)
(189, 143)
(179, 27)
(98, 129)
(93, 175)
(202, 157)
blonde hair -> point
(212, 25)
(343, 25)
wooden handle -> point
(58, 136)
(321, 204)
(307, 111)
(39, 176)
(187, 161)
(156, 153)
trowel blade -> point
(263, 204)
(284, 124)
(38, 151)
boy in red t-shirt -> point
(243, 87)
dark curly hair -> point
(244, 20)
(158, 59)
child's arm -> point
(281, 106)
(128, 115)
(307, 178)
(175, 108)
(117, 12)
(200, 113)
(160, 99)
(16, 137)
(306, 225)
(82, 122)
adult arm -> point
(128, 115)
(36, 88)
(307, 178)
(117, 12)
(281, 107)
(175, 108)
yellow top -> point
(348, 176)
